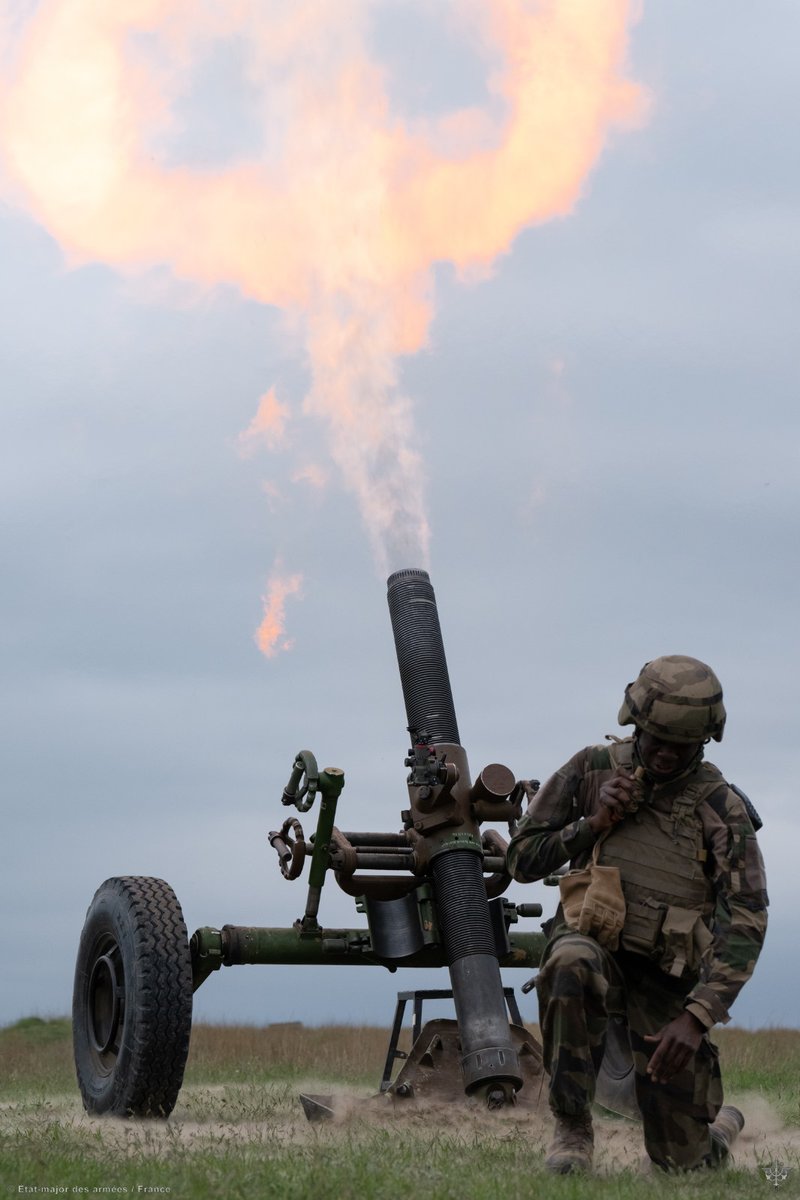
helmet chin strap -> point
(652, 777)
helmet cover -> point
(677, 699)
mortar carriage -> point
(432, 895)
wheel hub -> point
(105, 1004)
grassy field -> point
(238, 1129)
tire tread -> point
(158, 1015)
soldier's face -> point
(665, 758)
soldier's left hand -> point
(528, 787)
(677, 1042)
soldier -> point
(660, 924)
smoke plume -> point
(341, 216)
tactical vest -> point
(660, 854)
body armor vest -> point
(660, 854)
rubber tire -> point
(132, 1000)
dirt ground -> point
(273, 1115)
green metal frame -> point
(235, 945)
(306, 942)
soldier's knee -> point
(572, 958)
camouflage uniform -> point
(581, 985)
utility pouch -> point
(593, 902)
(686, 940)
(707, 1078)
(643, 924)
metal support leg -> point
(393, 1052)
(417, 998)
(513, 1007)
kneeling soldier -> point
(660, 924)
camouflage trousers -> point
(581, 986)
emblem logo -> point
(776, 1172)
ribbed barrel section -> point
(420, 656)
(461, 905)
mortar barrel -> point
(489, 1058)
(488, 1052)
(420, 656)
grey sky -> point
(609, 432)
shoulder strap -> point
(708, 780)
(621, 753)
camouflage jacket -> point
(554, 831)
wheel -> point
(132, 1001)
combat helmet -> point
(677, 699)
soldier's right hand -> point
(617, 797)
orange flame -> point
(342, 217)
(268, 425)
(270, 635)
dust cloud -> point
(270, 1117)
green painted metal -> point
(302, 786)
(235, 945)
(331, 782)
(459, 841)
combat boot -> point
(572, 1144)
(724, 1132)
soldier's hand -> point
(617, 796)
(528, 788)
(676, 1044)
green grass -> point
(767, 1062)
(238, 1131)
